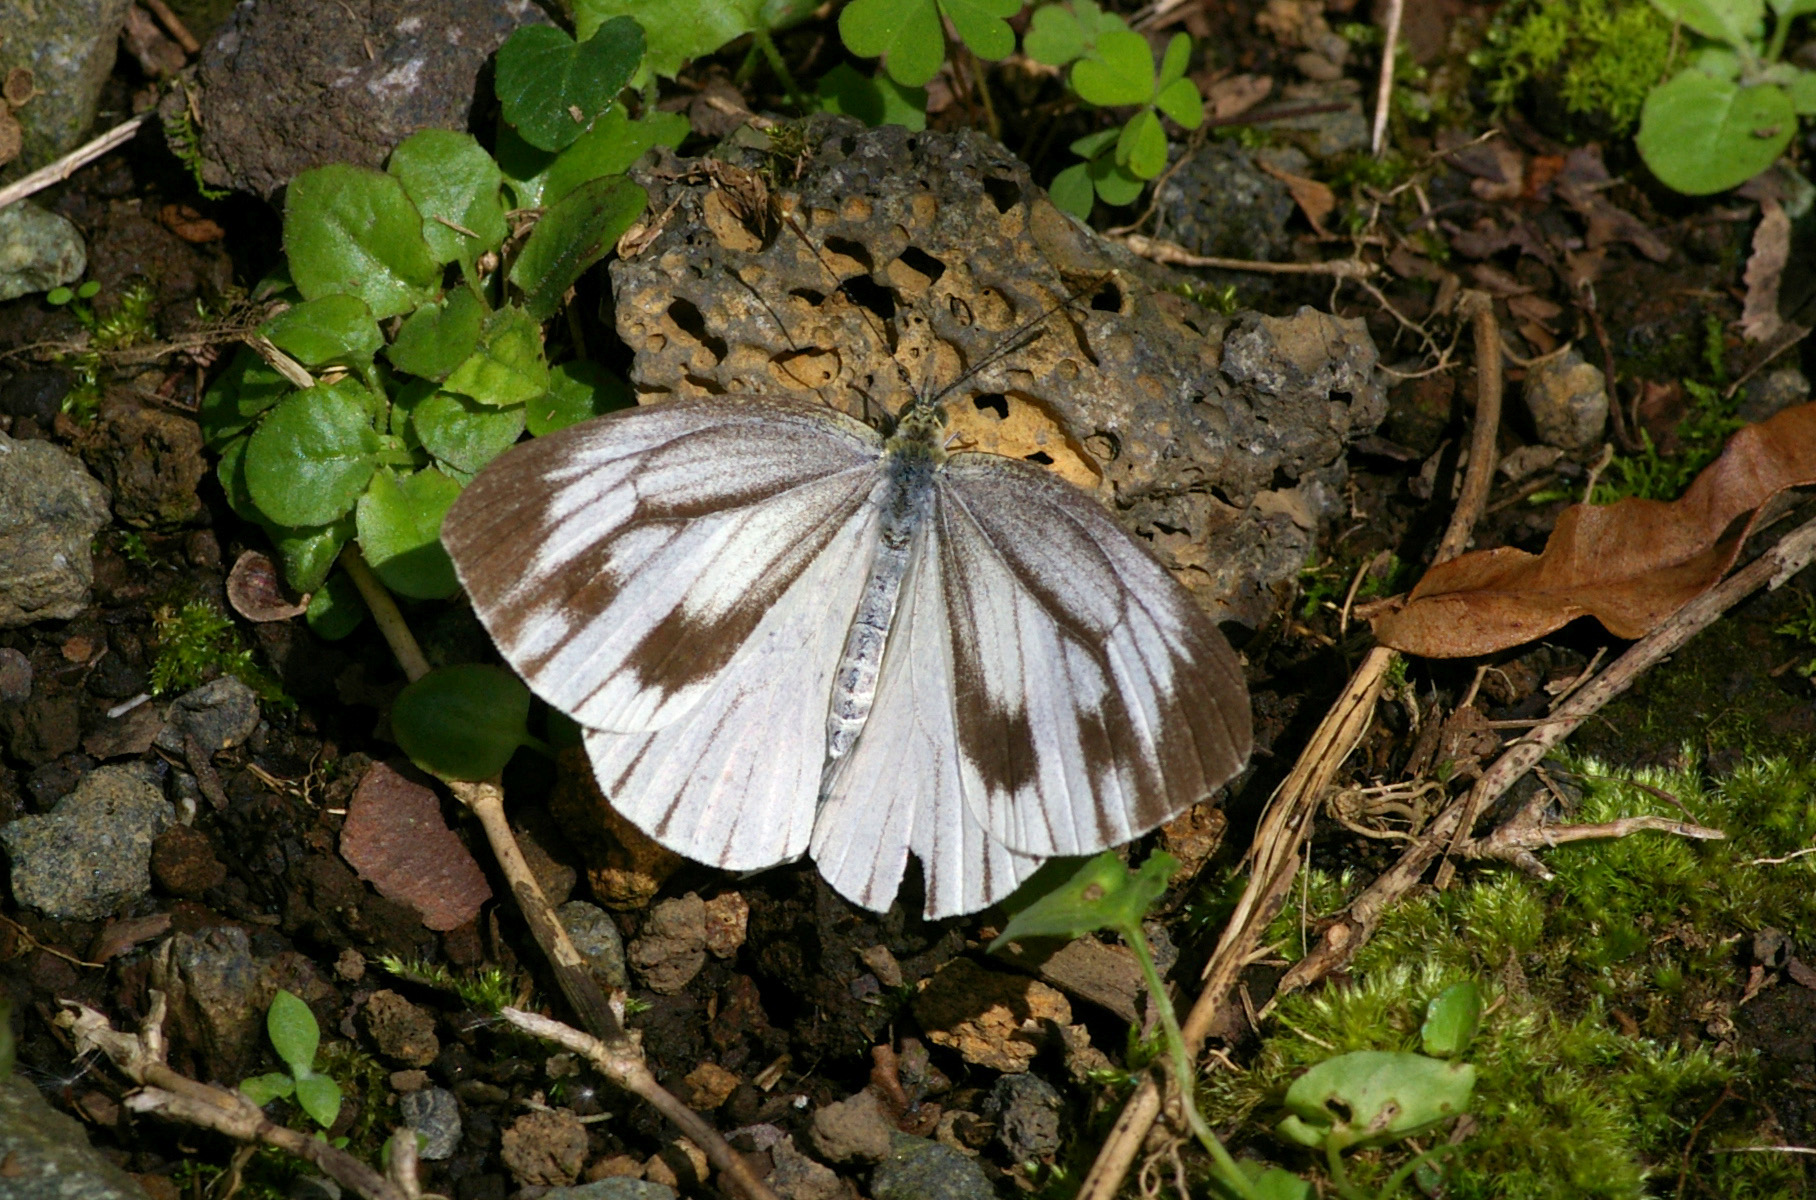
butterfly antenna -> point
(839, 285)
(1024, 335)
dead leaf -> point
(189, 224)
(1234, 95)
(1630, 564)
(1314, 199)
(1534, 308)
(253, 590)
(1579, 185)
(396, 839)
(1759, 319)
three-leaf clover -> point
(910, 39)
(295, 1036)
(1116, 71)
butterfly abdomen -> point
(904, 498)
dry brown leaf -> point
(1759, 320)
(189, 224)
(1314, 199)
(1234, 95)
(1630, 564)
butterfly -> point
(785, 632)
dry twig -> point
(72, 162)
(1384, 89)
(1178, 256)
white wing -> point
(898, 789)
(1092, 698)
(622, 565)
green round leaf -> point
(577, 391)
(1101, 894)
(1372, 1097)
(1142, 146)
(448, 175)
(1700, 134)
(310, 458)
(1121, 72)
(1177, 57)
(1180, 100)
(1735, 22)
(245, 389)
(507, 367)
(89, 290)
(336, 609)
(353, 231)
(572, 236)
(439, 336)
(877, 100)
(983, 26)
(1451, 1020)
(263, 1089)
(294, 1033)
(1093, 144)
(464, 433)
(523, 165)
(463, 722)
(905, 34)
(309, 554)
(551, 87)
(608, 148)
(328, 329)
(1114, 183)
(1072, 191)
(1054, 36)
(59, 296)
(680, 31)
(400, 532)
(1803, 93)
(320, 1097)
(230, 469)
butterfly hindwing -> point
(1093, 699)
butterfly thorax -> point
(904, 500)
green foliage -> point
(463, 722)
(1729, 114)
(1802, 627)
(128, 323)
(552, 87)
(877, 100)
(197, 643)
(488, 990)
(1602, 56)
(577, 232)
(181, 136)
(295, 1036)
(681, 30)
(1652, 476)
(910, 37)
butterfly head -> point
(920, 431)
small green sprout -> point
(60, 296)
(296, 1037)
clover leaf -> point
(551, 87)
(1059, 33)
(312, 455)
(1121, 72)
(908, 37)
(875, 100)
(354, 231)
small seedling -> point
(198, 642)
(1729, 114)
(295, 1036)
(60, 296)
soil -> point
(814, 1000)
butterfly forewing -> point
(622, 565)
(1092, 698)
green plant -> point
(1650, 475)
(181, 136)
(910, 35)
(296, 1037)
(1602, 56)
(1349, 1102)
(198, 642)
(1729, 114)
(1802, 627)
(488, 990)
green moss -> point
(1594, 1063)
(1602, 56)
(197, 643)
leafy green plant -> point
(1729, 114)
(1600, 57)
(910, 35)
(488, 990)
(464, 722)
(1112, 67)
(296, 1037)
(198, 642)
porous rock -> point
(993, 1019)
(672, 947)
(596, 936)
(434, 1113)
(545, 1148)
(852, 1130)
(50, 511)
(291, 84)
(797, 1177)
(902, 259)
(1027, 1111)
(221, 713)
(919, 1169)
(401, 1030)
(150, 458)
(92, 852)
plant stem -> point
(767, 45)
(1183, 1076)
(385, 613)
(1781, 28)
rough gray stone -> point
(292, 84)
(1568, 401)
(612, 1189)
(918, 1169)
(221, 713)
(1220, 202)
(39, 250)
(92, 852)
(15, 676)
(596, 936)
(218, 995)
(1768, 394)
(921, 255)
(47, 1154)
(68, 46)
(435, 1114)
(50, 511)
(1324, 135)
(672, 947)
(797, 1177)
(1026, 1109)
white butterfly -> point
(785, 633)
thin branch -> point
(1384, 89)
(72, 162)
(1178, 256)
(1478, 476)
(385, 614)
